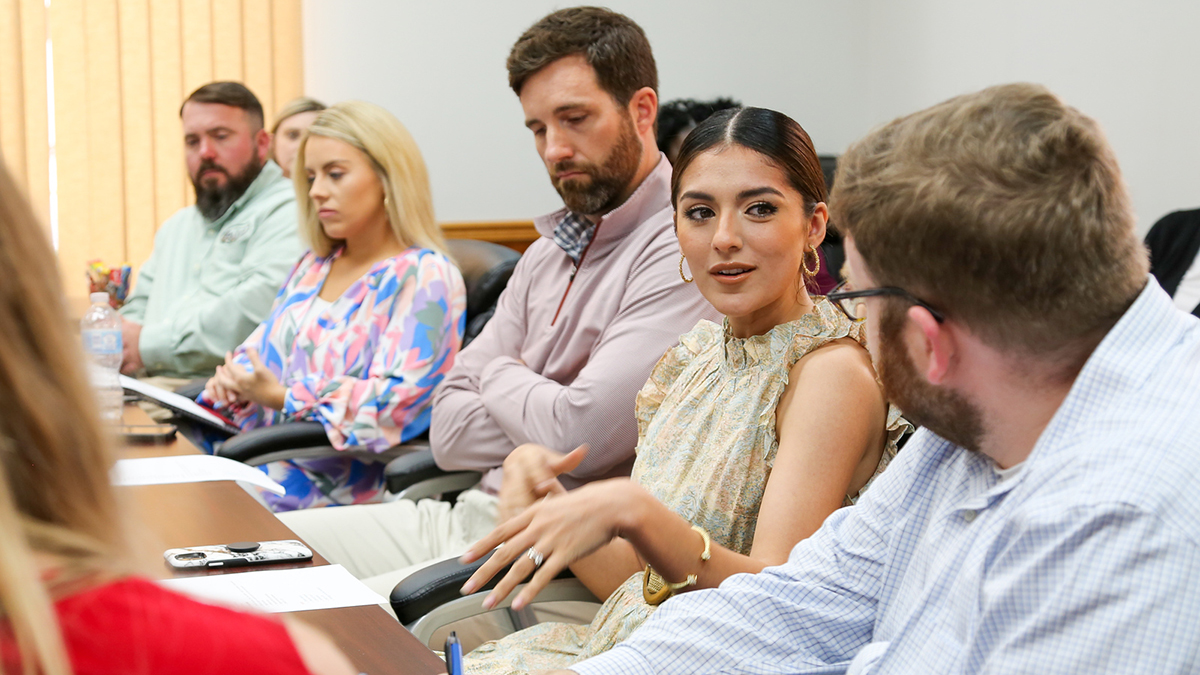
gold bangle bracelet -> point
(656, 589)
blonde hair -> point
(55, 497)
(397, 162)
(295, 107)
(1004, 208)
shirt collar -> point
(269, 174)
(650, 198)
(1121, 363)
(573, 234)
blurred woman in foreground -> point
(68, 603)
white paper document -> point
(294, 590)
(189, 469)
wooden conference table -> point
(196, 514)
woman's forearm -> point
(668, 543)
(607, 568)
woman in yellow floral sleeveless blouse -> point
(750, 433)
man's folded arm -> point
(462, 433)
(201, 332)
(598, 406)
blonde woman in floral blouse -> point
(750, 433)
(369, 320)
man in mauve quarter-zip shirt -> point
(591, 307)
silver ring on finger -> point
(535, 556)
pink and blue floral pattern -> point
(365, 367)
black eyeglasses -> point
(851, 305)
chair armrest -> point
(416, 476)
(299, 440)
(417, 599)
(434, 585)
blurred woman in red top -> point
(67, 601)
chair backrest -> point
(486, 268)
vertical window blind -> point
(119, 71)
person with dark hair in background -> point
(1174, 244)
(751, 432)
(1044, 518)
(590, 307)
(217, 265)
(676, 118)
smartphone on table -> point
(239, 554)
(147, 433)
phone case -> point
(148, 433)
(238, 554)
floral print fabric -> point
(365, 367)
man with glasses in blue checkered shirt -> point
(1046, 519)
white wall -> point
(439, 66)
(838, 67)
(1133, 66)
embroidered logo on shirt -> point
(232, 233)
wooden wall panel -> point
(515, 234)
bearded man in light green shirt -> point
(216, 266)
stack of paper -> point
(294, 590)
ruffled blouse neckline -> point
(766, 348)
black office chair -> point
(835, 253)
(485, 267)
(428, 601)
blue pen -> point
(453, 651)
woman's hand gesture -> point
(551, 534)
(257, 384)
(531, 473)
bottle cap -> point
(98, 297)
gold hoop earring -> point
(817, 263)
(681, 276)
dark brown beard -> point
(944, 412)
(213, 202)
(609, 180)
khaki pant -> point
(381, 544)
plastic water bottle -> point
(101, 329)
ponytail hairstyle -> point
(56, 503)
